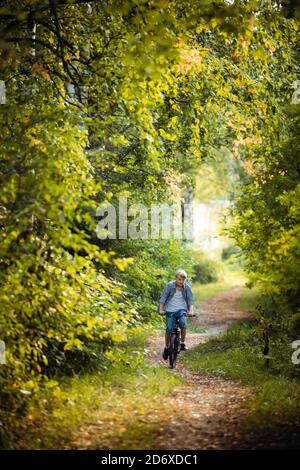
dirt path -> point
(208, 409)
(204, 413)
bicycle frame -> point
(174, 348)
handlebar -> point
(193, 315)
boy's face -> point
(180, 280)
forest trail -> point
(205, 412)
(207, 409)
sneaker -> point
(183, 347)
(166, 353)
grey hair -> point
(181, 272)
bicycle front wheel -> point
(173, 351)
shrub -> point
(206, 270)
(228, 251)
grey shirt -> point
(177, 302)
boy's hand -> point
(161, 312)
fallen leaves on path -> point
(207, 409)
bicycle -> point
(175, 348)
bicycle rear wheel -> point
(173, 351)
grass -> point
(228, 280)
(120, 409)
(235, 355)
(193, 328)
(249, 299)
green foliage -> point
(267, 223)
(294, 325)
(218, 175)
(228, 251)
(124, 98)
(206, 270)
(53, 303)
(155, 264)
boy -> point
(178, 300)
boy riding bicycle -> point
(178, 300)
